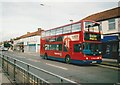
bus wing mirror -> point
(89, 26)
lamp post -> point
(42, 4)
(119, 49)
(71, 21)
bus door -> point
(66, 47)
(77, 50)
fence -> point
(24, 73)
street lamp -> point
(42, 4)
(71, 21)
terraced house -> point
(29, 42)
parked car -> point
(3, 48)
(0, 48)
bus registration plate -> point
(94, 61)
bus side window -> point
(67, 29)
(46, 46)
(77, 47)
(60, 38)
(59, 31)
(59, 47)
(76, 27)
(53, 32)
(53, 47)
(47, 33)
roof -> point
(108, 14)
(30, 34)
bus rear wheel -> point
(67, 59)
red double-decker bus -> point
(78, 42)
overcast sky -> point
(18, 18)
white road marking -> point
(56, 66)
(110, 67)
(33, 60)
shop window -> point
(114, 48)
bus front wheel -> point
(67, 59)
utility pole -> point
(119, 48)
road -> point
(78, 73)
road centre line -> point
(56, 66)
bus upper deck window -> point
(76, 27)
(92, 27)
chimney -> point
(39, 29)
(28, 32)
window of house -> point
(111, 23)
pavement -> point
(4, 79)
(110, 62)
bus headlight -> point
(97, 57)
(100, 52)
(100, 57)
(86, 58)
